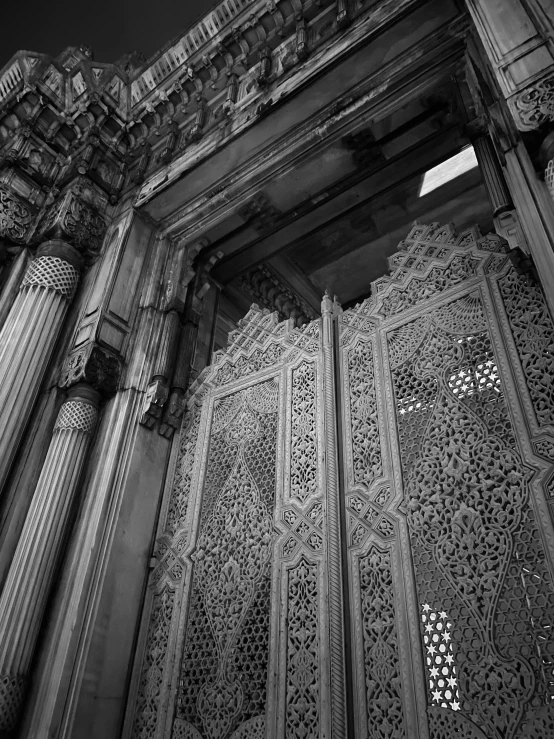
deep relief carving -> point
(264, 285)
(305, 529)
(303, 460)
(224, 668)
(460, 269)
(535, 105)
(153, 663)
(366, 445)
(466, 494)
(431, 259)
(365, 515)
(302, 669)
(15, 216)
(77, 222)
(385, 717)
(533, 331)
(93, 365)
(248, 365)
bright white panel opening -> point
(446, 171)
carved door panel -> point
(401, 589)
(447, 411)
(243, 603)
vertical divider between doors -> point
(348, 666)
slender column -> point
(29, 580)
(27, 339)
(334, 554)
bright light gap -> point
(448, 170)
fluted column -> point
(27, 339)
(29, 580)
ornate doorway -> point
(357, 538)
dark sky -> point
(110, 27)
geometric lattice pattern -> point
(12, 688)
(454, 516)
(76, 416)
(224, 668)
(306, 529)
(441, 668)
(467, 496)
(52, 273)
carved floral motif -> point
(366, 446)
(466, 493)
(533, 332)
(535, 105)
(303, 672)
(303, 466)
(225, 663)
(15, 216)
(385, 716)
(153, 664)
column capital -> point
(62, 250)
(92, 365)
(78, 217)
(79, 411)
